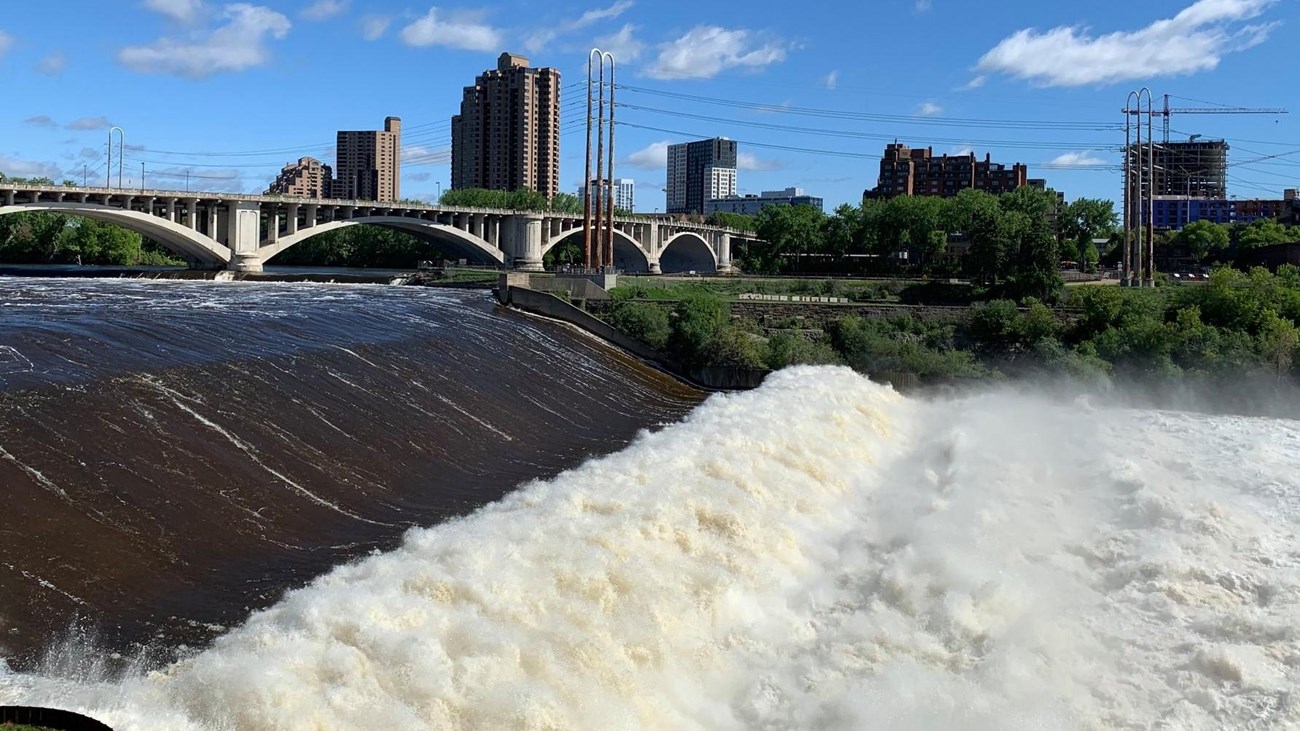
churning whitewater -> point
(819, 553)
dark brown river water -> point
(175, 455)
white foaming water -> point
(820, 553)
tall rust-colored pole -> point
(609, 219)
(586, 182)
(600, 159)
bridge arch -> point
(174, 236)
(462, 243)
(629, 257)
(687, 252)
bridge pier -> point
(526, 241)
(243, 236)
(722, 249)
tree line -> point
(1238, 326)
(47, 237)
(1014, 243)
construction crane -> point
(1168, 112)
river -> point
(509, 526)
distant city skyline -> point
(227, 94)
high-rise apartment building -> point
(308, 178)
(904, 171)
(624, 193)
(368, 163)
(507, 135)
(1195, 168)
(698, 172)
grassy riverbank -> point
(1236, 325)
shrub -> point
(646, 322)
(785, 349)
(696, 321)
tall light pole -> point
(142, 176)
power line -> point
(874, 136)
(866, 116)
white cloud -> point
(1077, 159)
(832, 80)
(748, 161)
(707, 50)
(424, 155)
(324, 9)
(1194, 40)
(41, 120)
(52, 64)
(89, 123)
(6, 41)
(651, 157)
(975, 83)
(539, 40)
(181, 11)
(622, 45)
(922, 6)
(235, 46)
(15, 168)
(928, 109)
(961, 150)
(463, 31)
(373, 27)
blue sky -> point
(232, 91)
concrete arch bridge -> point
(244, 232)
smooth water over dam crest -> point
(819, 553)
(174, 454)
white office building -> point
(624, 193)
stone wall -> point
(772, 313)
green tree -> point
(1203, 238)
(1264, 232)
(696, 322)
(566, 203)
(842, 230)
(787, 349)
(791, 230)
(994, 323)
(648, 323)
(1085, 219)
(1088, 257)
(1101, 306)
(1278, 341)
(738, 221)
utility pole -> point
(187, 181)
(141, 176)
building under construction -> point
(1193, 169)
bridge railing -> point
(662, 219)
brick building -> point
(907, 171)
